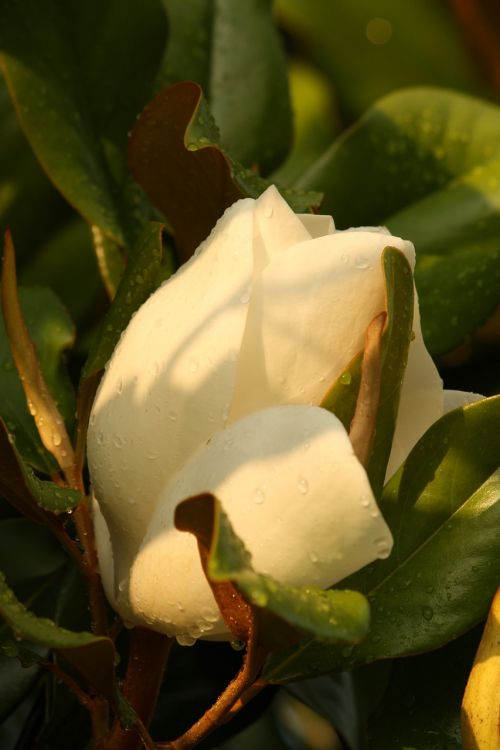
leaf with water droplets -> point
(434, 178)
(219, 44)
(93, 657)
(443, 507)
(175, 155)
(341, 616)
(50, 54)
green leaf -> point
(421, 707)
(78, 74)
(52, 332)
(443, 509)
(93, 657)
(25, 491)
(27, 199)
(219, 45)
(137, 283)
(341, 616)
(66, 263)
(434, 178)
(16, 682)
(379, 48)
(315, 121)
(341, 399)
(175, 156)
(40, 554)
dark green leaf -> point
(137, 283)
(421, 708)
(27, 199)
(66, 263)
(15, 683)
(52, 332)
(443, 508)
(341, 616)
(434, 178)
(175, 156)
(368, 50)
(219, 45)
(93, 657)
(28, 550)
(78, 74)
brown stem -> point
(85, 531)
(218, 713)
(245, 698)
(146, 663)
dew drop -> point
(383, 548)
(303, 486)
(152, 454)
(346, 378)
(56, 439)
(237, 645)
(365, 501)
(313, 557)
(427, 613)
(193, 365)
(245, 298)
(172, 415)
(117, 441)
(119, 386)
(185, 640)
(268, 212)
(259, 496)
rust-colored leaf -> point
(192, 188)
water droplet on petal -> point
(245, 298)
(259, 495)
(346, 378)
(313, 557)
(185, 640)
(117, 441)
(119, 386)
(383, 548)
(172, 415)
(303, 486)
(268, 212)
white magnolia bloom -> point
(215, 387)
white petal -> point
(308, 318)
(276, 225)
(318, 225)
(456, 399)
(169, 383)
(295, 494)
(421, 398)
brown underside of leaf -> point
(191, 188)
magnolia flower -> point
(215, 387)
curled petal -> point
(295, 494)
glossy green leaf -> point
(443, 508)
(368, 50)
(219, 45)
(175, 156)
(52, 332)
(341, 616)
(137, 283)
(25, 491)
(421, 707)
(27, 199)
(78, 74)
(434, 178)
(93, 657)
(341, 399)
